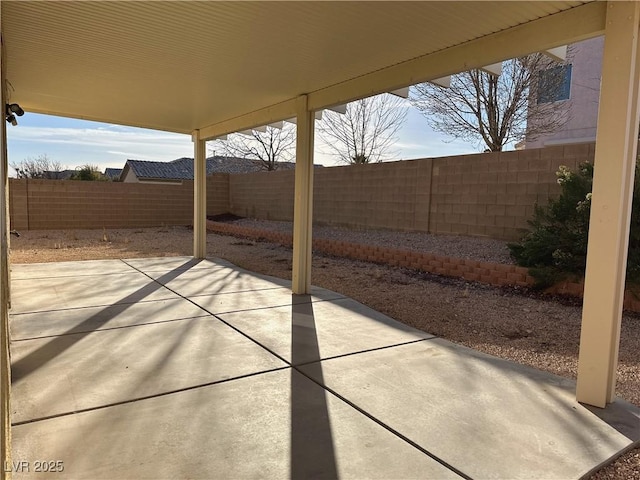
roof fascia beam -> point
(559, 54)
(251, 131)
(400, 92)
(494, 69)
(578, 23)
(294, 120)
(341, 109)
(443, 82)
(264, 116)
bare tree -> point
(497, 110)
(366, 132)
(270, 147)
(39, 167)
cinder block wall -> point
(66, 204)
(394, 195)
(217, 194)
(391, 195)
(493, 194)
(18, 205)
(489, 194)
(265, 195)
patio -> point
(187, 368)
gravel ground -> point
(475, 248)
(541, 332)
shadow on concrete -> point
(621, 415)
(312, 448)
(34, 360)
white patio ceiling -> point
(181, 66)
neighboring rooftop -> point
(113, 173)
(182, 168)
(58, 175)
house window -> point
(554, 84)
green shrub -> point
(89, 173)
(555, 246)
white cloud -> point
(102, 145)
(99, 137)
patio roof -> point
(182, 66)
(211, 68)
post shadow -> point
(312, 449)
(60, 343)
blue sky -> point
(74, 143)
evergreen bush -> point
(555, 246)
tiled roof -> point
(144, 169)
(58, 175)
(113, 173)
(239, 165)
(182, 168)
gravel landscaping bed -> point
(509, 323)
(475, 248)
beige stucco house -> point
(584, 67)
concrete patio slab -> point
(126, 379)
(88, 319)
(165, 264)
(306, 332)
(491, 417)
(68, 269)
(57, 293)
(68, 373)
(206, 281)
(259, 299)
(274, 425)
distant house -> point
(579, 96)
(113, 173)
(58, 175)
(182, 169)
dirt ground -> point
(508, 323)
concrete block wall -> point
(494, 194)
(394, 195)
(68, 204)
(217, 194)
(381, 195)
(264, 195)
(18, 204)
(489, 194)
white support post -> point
(303, 203)
(199, 197)
(615, 160)
(5, 359)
